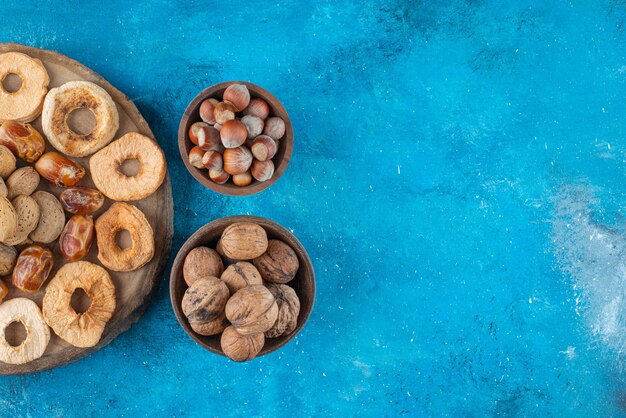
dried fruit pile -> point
(33, 228)
(248, 301)
(236, 138)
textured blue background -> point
(458, 180)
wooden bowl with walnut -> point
(208, 236)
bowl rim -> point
(191, 243)
(231, 189)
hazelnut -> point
(264, 148)
(23, 181)
(8, 256)
(212, 160)
(195, 157)
(207, 107)
(237, 160)
(218, 126)
(7, 162)
(262, 170)
(239, 347)
(288, 310)
(233, 133)
(278, 264)
(200, 263)
(252, 309)
(243, 241)
(238, 95)
(240, 274)
(243, 179)
(219, 176)
(254, 125)
(209, 139)
(203, 305)
(193, 131)
(257, 107)
(274, 128)
(223, 112)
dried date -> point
(77, 237)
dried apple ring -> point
(62, 101)
(124, 217)
(37, 332)
(109, 179)
(79, 329)
(22, 105)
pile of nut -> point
(248, 301)
(28, 216)
(236, 137)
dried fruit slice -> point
(62, 101)
(37, 332)
(79, 329)
(25, 104)
(122, 216)
(105, 168)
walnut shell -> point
(8, 256)
(220, 251)
(202, 262)
(279, 264)
(244, 241)
(252, 310)
(288, 310)
(241, 274)
(203, 305)
(239, 347)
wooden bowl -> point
(209, 235)
(192, 115)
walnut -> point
(200, 263)
(241, 347)
(279, 264)
(220, 251)
(243, 241)
(252, 310)
(203, 305)
(288, 310)
(241, 274)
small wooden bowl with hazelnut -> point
(235, 138)
(242, 287)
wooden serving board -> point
(133, 289)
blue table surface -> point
(458, 180)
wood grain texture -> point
(209, 235)
(133, 289)
(192, 115)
